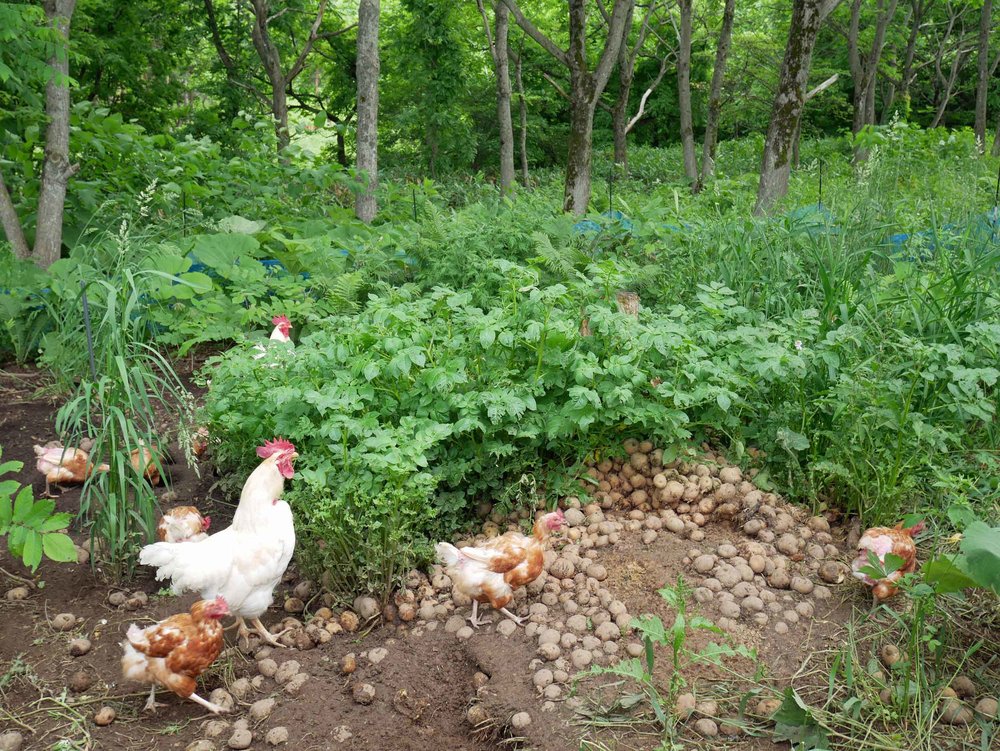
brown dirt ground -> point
(432, 667)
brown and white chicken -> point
(183, 524)
(880, 542)
(144, 462)
(64, 465)
(175, 651)
(490, 572)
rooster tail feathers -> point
(133, 663)
(190, 566)
(448, 554)
(135, 634)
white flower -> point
(798, 344)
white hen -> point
(244, 562)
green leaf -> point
(40, 511)
(722, 399)
(6, 513)
(58, 547)
(23, 505)
(945, 577)
(791, 440)
(32, 552)
(981, 546)
(486, 338)
(56, 522)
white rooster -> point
(245, 561)
(282, 333)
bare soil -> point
(423, 687)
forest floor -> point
(435, 685)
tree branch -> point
(220, 47)
(822, 87)
(12, 225)
(486, 28)
(531, 30)
(646, 94)
(307, 47)
(613, 43)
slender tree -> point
(367, 74)
(864, 67)
(522, 107)
(497, 41)
(279, 78)
(789, 100)
(628, 55)
(586, 87)
(715, 93)
(56, 167)
(983, 81)
(684, 89)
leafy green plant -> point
(655, 634)
(32, 527)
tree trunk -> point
(367, 133)
(854, 63)
(684, 90)
(576, 197)
(57, 169)
(523, 112)
(498, 51)
(619, 127)
(271, 59)
(503, 100)
(715, 93)
(949, 86)
(996, 140)
(342, 149)
(789, 100)
(12, 224)
(983, 82)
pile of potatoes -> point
(694, 491)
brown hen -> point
(175, 651)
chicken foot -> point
(213, 708)
(266, 635)
(513, 617)
(151, 702)
(48, 490)
(476, 623)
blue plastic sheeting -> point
(981, 232)
(589, 225)
(814, 219)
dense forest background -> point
(171, 76)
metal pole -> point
(86, 323)
(821, 183)
(611, 185)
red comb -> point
(273, 447)
(279, 320)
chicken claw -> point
(518, 621)
(213, 708)
(151, 702)
(266, 635)
(474, 618)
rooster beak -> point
(294, 455)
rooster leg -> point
(48, 490)
(265, 634)
(474, 618)
(511, 616)
(213, 708)
(151, 702)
